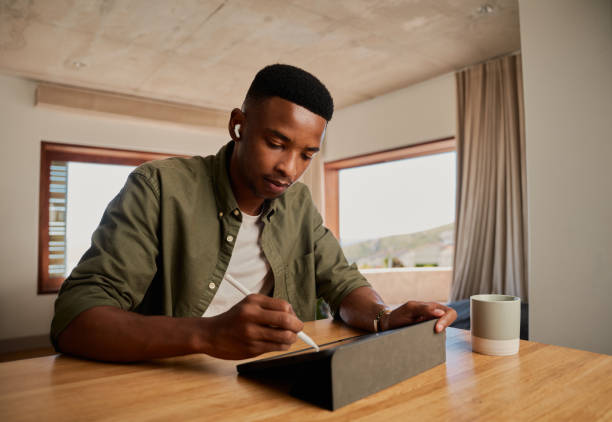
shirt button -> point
(211, 286)
(221, 214)
(236, 213)
(230, 238)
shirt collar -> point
(224, 195)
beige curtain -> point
(313, 177)
(491, 220)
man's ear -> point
(236, 124)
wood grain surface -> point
(542, 382)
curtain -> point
(491, 219)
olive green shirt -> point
(165, 241)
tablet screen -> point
(322, 347)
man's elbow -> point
(75, 337)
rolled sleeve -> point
(121, 262)
(335, 277)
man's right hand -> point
(256, 325)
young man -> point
(151, 285)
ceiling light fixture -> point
(77, 64)
(485, 9)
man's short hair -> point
(292, 84)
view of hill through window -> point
(399, 214)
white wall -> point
(22, 127)
(567, 65)
(419, 113)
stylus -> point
(302, 335)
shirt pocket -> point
(302, 264)
(301, 286)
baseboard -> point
(23, 344)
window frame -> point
(55, 151)
(332, 169)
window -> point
(395, 208)
(76, 184)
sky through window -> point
(399, 197)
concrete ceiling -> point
(206, 52)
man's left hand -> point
(412, 312)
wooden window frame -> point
(332, 168)
(54, 151)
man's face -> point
(277, 142)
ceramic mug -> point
(495, 324)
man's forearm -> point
(111, 334)
(360, 307)
(257, 324)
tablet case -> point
(349, 371)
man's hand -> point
(256, 325)
(359, 309)
(412, 312)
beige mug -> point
(495, 324)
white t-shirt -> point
(248, 265)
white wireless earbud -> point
(237, 131)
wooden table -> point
(542, 382)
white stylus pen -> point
(302, 335)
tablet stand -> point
(335, 377)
